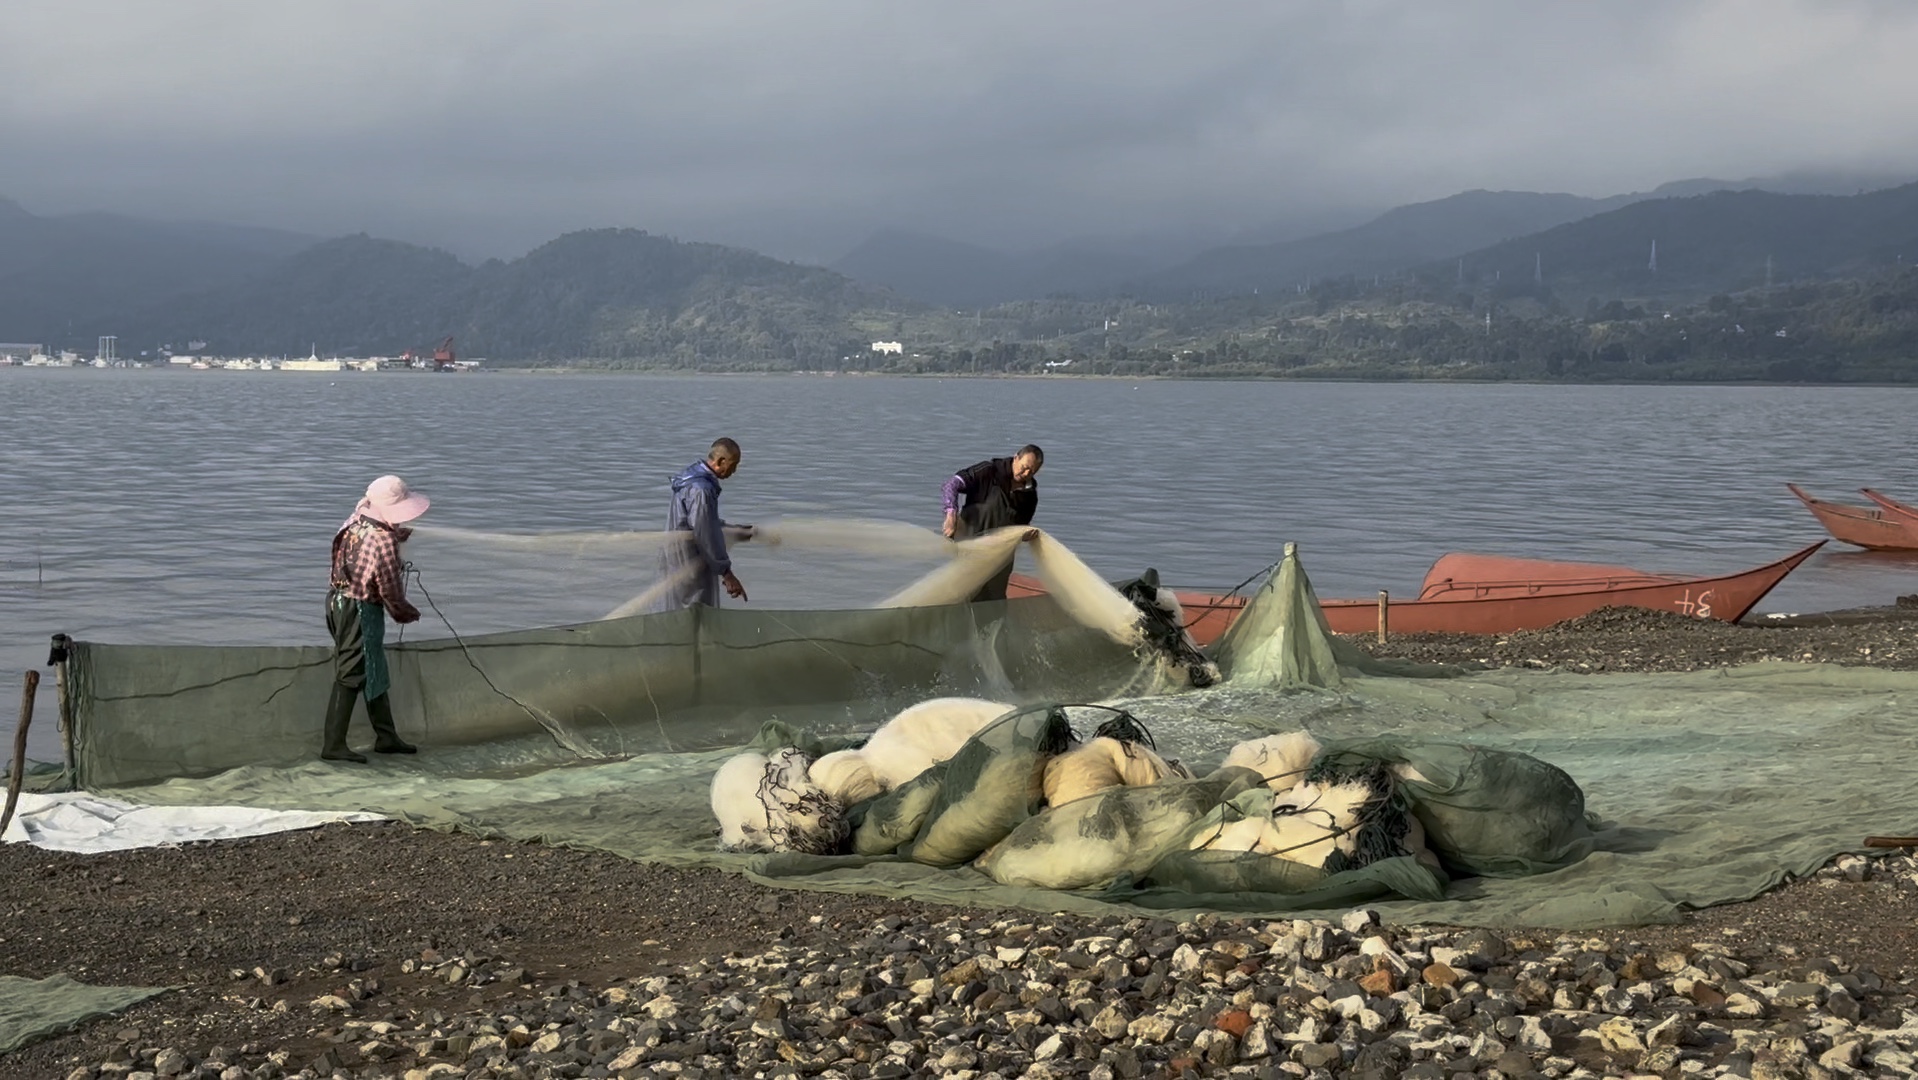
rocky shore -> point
(1638, 639)
(382, 950)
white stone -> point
(1111, 1021)
(1152, 1027)
(1844, 1055)
(1257, 1042)
(1743, 1007)
(1618, 1036)
(1532, 1037)
(1185, 960)
(1667, 1032)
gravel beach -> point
(383, 950)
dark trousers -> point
(359, 644)
(995, 586)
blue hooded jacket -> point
(695, 511)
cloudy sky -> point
(488, 126)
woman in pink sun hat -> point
(368, 583)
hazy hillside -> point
(1706, 243)
(952, 274)
(62, 278)
(934, 270)
(1804, 182)
(1399, 238)
(618, 294)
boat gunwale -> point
(1766, 574)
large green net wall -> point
(686, 680)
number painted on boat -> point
(1701, 607)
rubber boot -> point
(339, 713)
(386, 737)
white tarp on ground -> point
(83, 822)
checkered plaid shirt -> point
(366, 563)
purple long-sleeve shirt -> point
(976, 482)
(955, 484)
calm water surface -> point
(176, 507)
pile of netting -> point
(1080, 798)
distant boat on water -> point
(1887, 526)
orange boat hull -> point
(1891, 505)
(1557, 592)
(1882, 529)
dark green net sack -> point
(1496, 813)
(991, 785)
(1120, 830)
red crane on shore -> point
(443, 357)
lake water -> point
(197, 507)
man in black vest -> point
(1000, 492)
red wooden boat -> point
(1904, 510)
(1490, 594)
(1880, 528)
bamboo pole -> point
(17, 774)
(1385, 602)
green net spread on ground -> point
(1707, 788)
(33, 1009)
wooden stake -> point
(17, 774)
(1891, 841)
(1385, 601)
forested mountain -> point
(1851, 330)
(617, 294)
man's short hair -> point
(1038, 455)
(723, 448)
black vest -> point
(993, 501)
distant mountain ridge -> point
(1412, 235)
(1716, 242)
(618, 294)
(632, 298)
(61, 276)
(1401, 237)
(952, 273)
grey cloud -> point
(488, 126)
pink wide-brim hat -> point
(388, 499)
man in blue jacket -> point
(699, 565)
